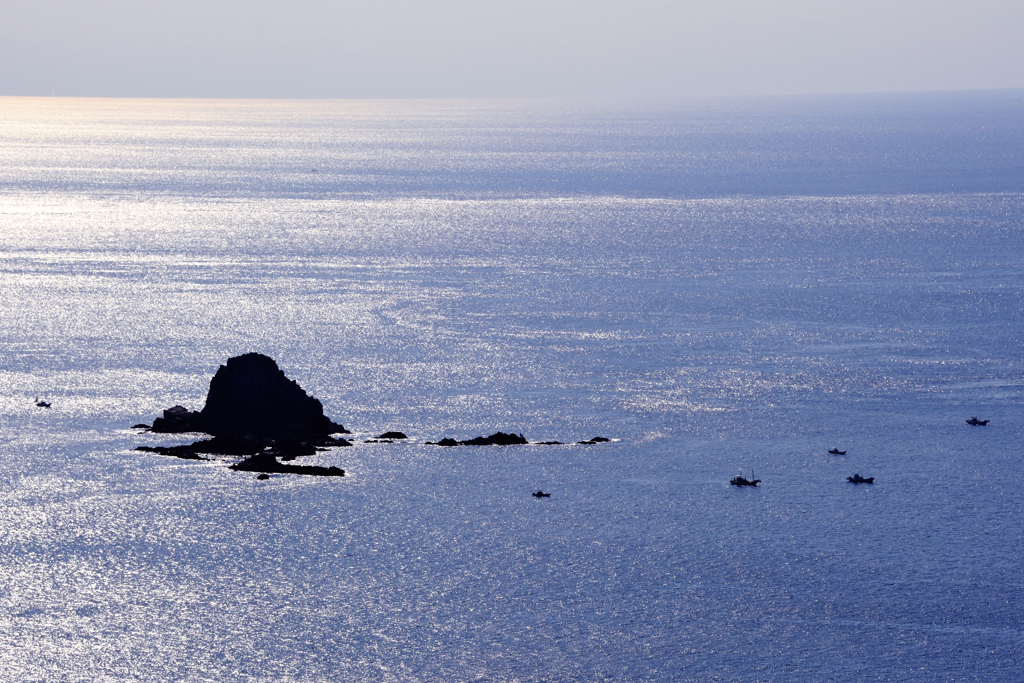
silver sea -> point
(720, 287)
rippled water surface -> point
(719, 287)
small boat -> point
(975, 421)
(739, 480)
(540, 494)
(836, 451)
(42, 404)
(857, 479)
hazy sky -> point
(458, 48)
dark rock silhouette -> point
(392, 435)
(186, 452)
(267, 463)
(251, 396)
(291, 448)
(254, 410)
(496, 439)
(286, 449)
(177, 420)
(503, 439)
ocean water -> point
(719, 287)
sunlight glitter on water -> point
(143, 244)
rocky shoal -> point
(255, 412)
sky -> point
(549, 48)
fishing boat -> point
(836, 451)
(740, 480)
(857, 479)
(540, 494)
(976, 422)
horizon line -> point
(559, 98)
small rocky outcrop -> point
(389, 437)
(503, 439)
(496, 439)
(268, 464)
(185, 452)
(176, 420)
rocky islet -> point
(254, 411)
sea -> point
(720, 287)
